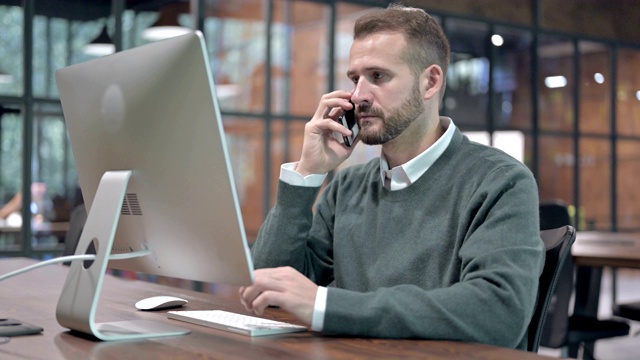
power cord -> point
(73, 258)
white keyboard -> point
(238, 323)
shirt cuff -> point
(289, 175)
(317, 321)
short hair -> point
(426, 42)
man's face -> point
(387, 93)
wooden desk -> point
(32, 297)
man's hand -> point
(284, 287)
(321, 151)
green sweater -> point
(455, 256)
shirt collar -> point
(406, 174)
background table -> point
(600, 248)
(32, 297)
(49, 237)
(592, 251)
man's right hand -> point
(322, 151)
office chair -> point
(559, 329)
(557, 243)
(76, 223)
(629, 310)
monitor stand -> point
(79, 299)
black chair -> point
(76, 223)
(560, 330)
(554, 214)
(629, 310)
(557, 243)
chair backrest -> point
(76, 224)
(557, 244)
(553, 214)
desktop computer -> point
(150, 151)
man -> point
(437, 239)
(14, 205)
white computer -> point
(152, 162)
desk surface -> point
(598, 249)
(32, 297)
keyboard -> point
(237, 323)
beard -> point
(398, 120)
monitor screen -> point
(152, 110)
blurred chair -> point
(76, 223)
(554, 214)
(557, 243)
(629, 310)
(560, 330)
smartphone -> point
(348, 120)
(13, 327)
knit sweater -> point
(456, 255)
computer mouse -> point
(160, 303)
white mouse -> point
(160, 302)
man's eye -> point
(355, 80)
(378, 76)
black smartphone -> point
(348, 120)
(13, 327)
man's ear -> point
(433, 81)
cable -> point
(73, 258)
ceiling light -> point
(497, 40)
(166, 26)
(163, 32)
(553, 82)
(599, 78)
(225, 91)
(100, 46)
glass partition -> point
(595, 88)
(11, 50)
(236, 40)
(628, 129)
(556, 82)
(595, 144)
(300, 48)
(556, 177)
(466, 99)
(628, 194)
(11, 132)
(245, 139)
(595, 184)
(512, 78)
(628, 92)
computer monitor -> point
(149, 146)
